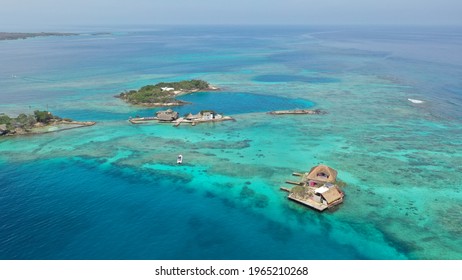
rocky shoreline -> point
(165, 94)
(39, 123)
(48, 128)
(298, 112)
(176, 93)
(160, 104)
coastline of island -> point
(165, 94)
(38, 123)
(24, 35)
(299, 112)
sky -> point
(55, 13)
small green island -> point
(164, 94)
(37, 123)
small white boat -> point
(415, 101)
(179, 159)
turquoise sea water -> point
(114, 191)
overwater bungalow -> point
(317, 188)
(192, 117)
(202, 117)
(160, 116)
(170, 116)
(167, 115)
(320, 174)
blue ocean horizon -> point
(114, 191)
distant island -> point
(37, 123)
(164, 94)
(298, 112)
(19, 35)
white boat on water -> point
(179, 159)
(415, 101)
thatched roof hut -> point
(332, 195)
(168, 115)
(190, 116)
(322, 173)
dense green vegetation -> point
(155, 94)
(43, 116)
(186, 85)
(25, 122)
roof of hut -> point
(190, 116)
(167, 115)
(331, 195)
(322, 173)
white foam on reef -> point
(415, 101)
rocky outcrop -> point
(40, 122)
(298, 112)
(3, 129)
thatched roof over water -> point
(322, 173)
(168, 115)
(190, 116)
(332, 195)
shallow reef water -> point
(114, 190)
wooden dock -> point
(295, 183)
(308, 202)
(142, 120)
